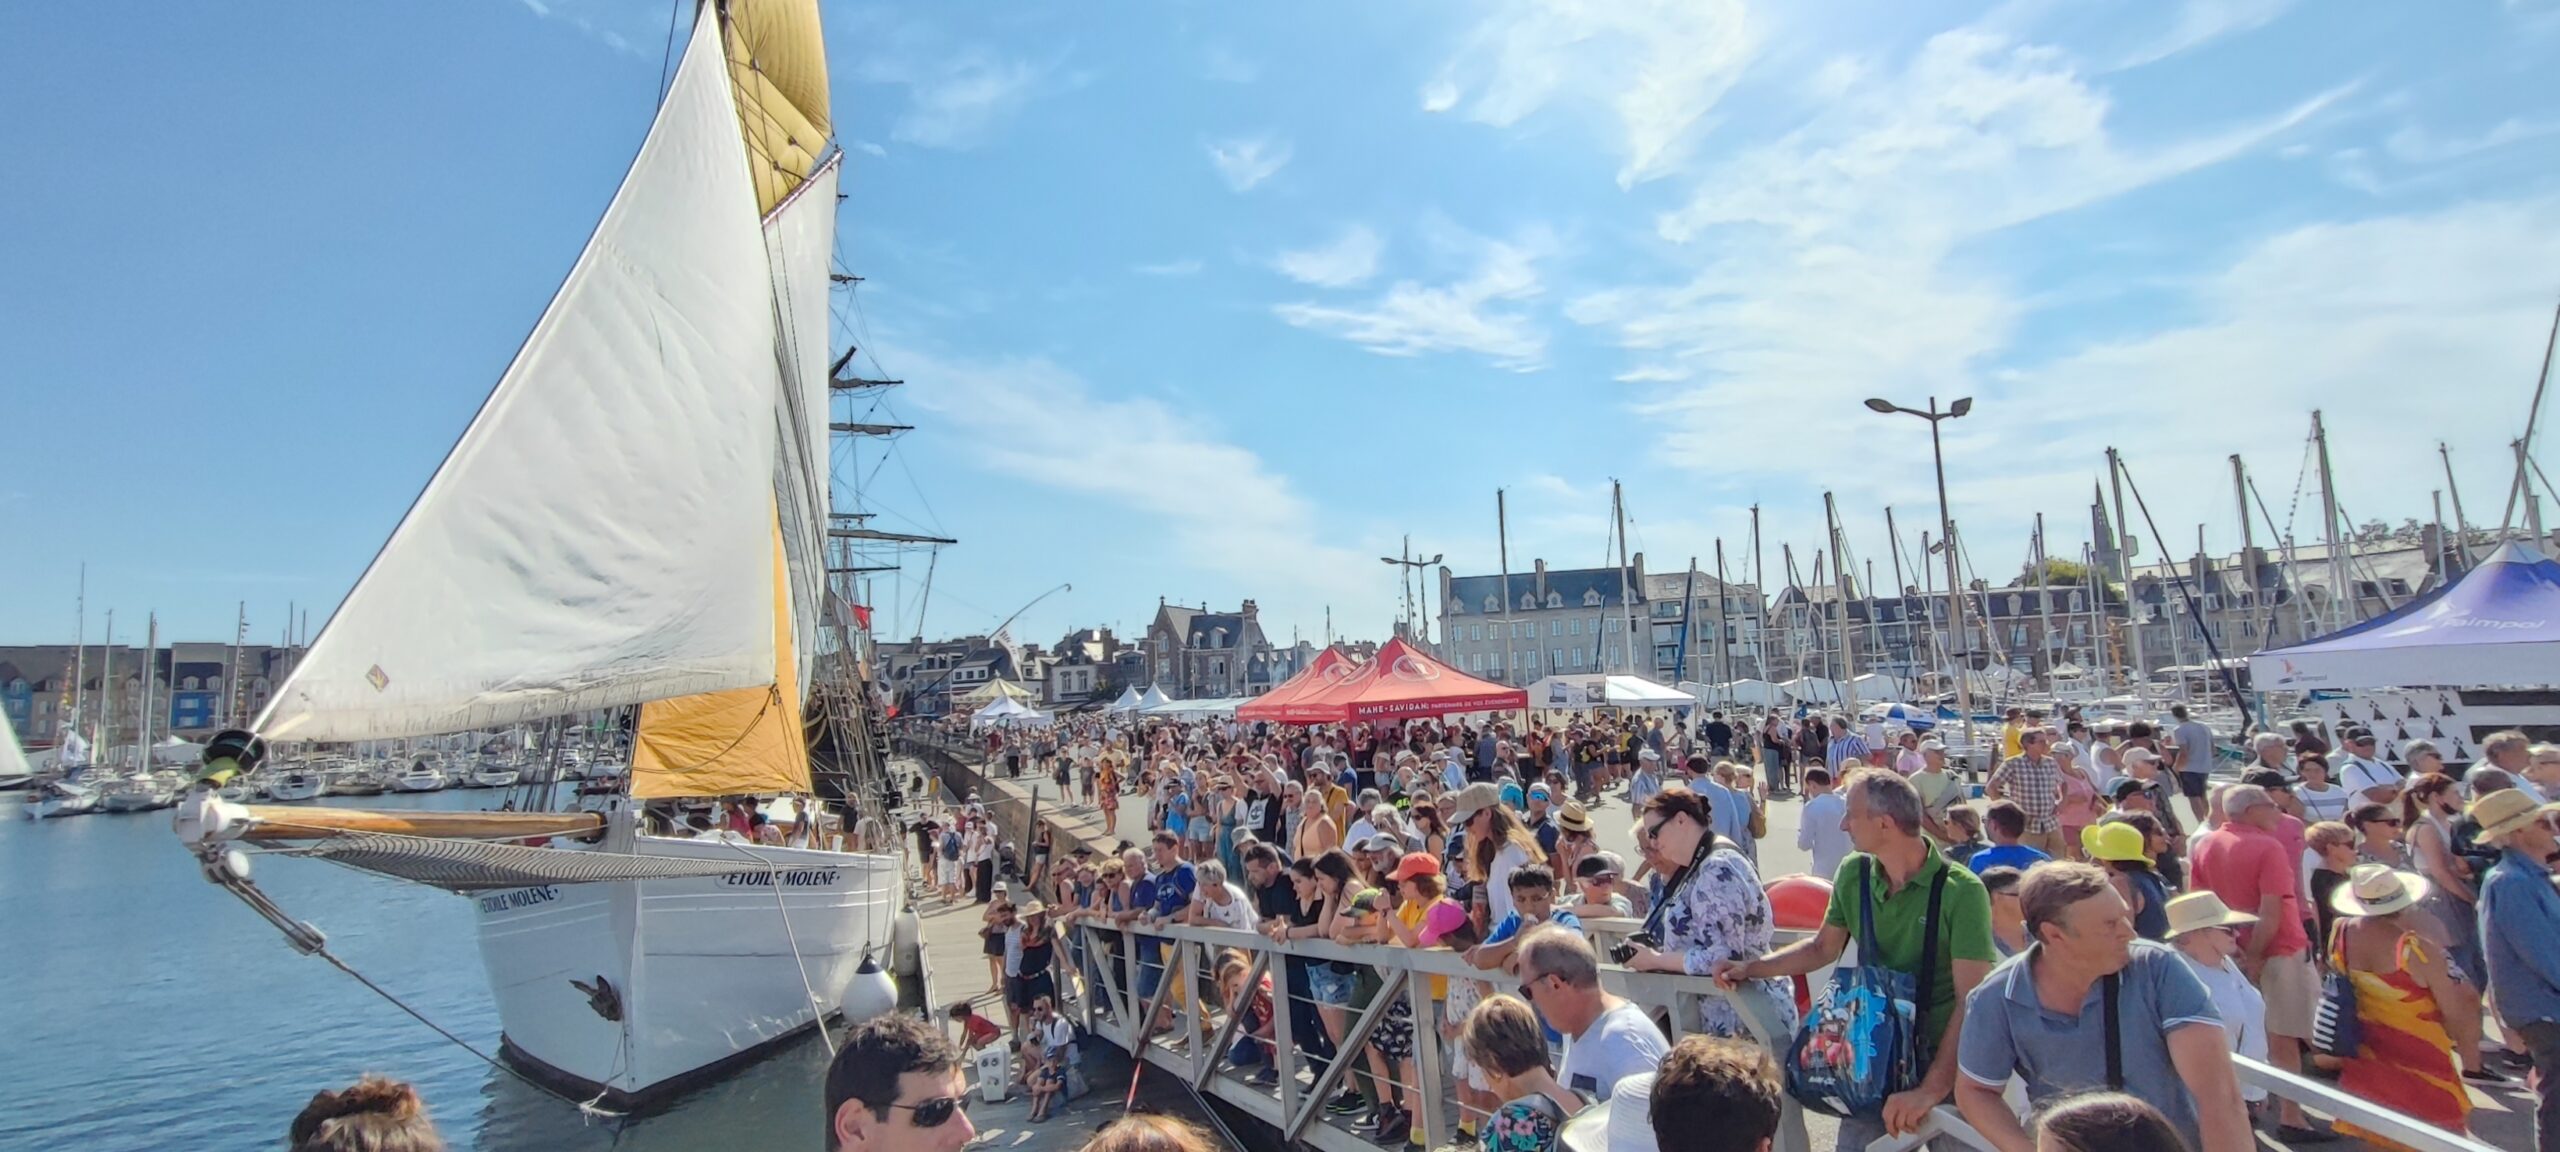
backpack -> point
(1861, 1042)
(951, 845)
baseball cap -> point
(1600, 864)
(2268, 778)
(1415, 864)
(2123, 787)
(1541, 792)
(1933, 745)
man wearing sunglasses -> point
(897, 1086)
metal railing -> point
(1201, 1031)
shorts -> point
(1461, 1068)
(2292, 992)
(1201, 831)
(1329, 987)
(2191, 785)
(946, 872)
(1022, 991)
(1393, 1037)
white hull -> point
(703, 969)
(135, 796)
(495, 778)
(62, 800)
(427, 781)
(297, 786)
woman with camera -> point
(1713, 911)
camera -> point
(1625, 950)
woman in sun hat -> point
(2121, 848)
(1497, 843)
(2204, 930)
(2404, 996)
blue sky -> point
(1216, 301)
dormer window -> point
(1492, 605)
(1528, 601)
(1555, 600)
(2015, 604)
(2075, 602)
(1591, 598)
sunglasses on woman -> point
(933, 1113)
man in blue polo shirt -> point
(1169, 888)
(2042, 1016)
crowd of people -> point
(2087, 930)
(2092, 870)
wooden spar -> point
(277, 822)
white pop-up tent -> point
(1813, 690)
(1605, 691)
(1750, 693)
(1154, 697)
(1128, 702)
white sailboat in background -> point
(14, 770)
(674, 564)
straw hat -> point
(2118, 841)
(2505, 810)
(2203, 910)
(1034, 908)
(2378, 890)
(1574, 819)
(1472, 799)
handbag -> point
(1759, 816)
(1861, 1042)
(2335, 1029)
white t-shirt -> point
(1361, 829)
(1237, 912)
(1623, 1042)
(2363, 774)
(2243, 1011)
(1497, 895)
(2318, 804)
(1822, 835)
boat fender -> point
(906, 944)
(869, 992)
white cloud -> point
(870, 148)
(1230, 512)
(1657, 66)
(1350, 259)
(1830, 261)
(1246, 162)
(2199, 22)
(1465, 315)
(2415, 145)
(2403, 329)
(1220, 62)
(614, 26)
(1170, 268)
(958, 95)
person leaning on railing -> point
(1901, 867)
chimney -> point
(1250, 611)
(1538, 583)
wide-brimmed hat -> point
(1034, 908)
(2378, 890)
(2133, 756)
(2118, 841)
(2203, 910)
(1415, 864)
(1472, 799)
(1574, 819)
(2504, 811)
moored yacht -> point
(422, 775)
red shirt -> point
(978, 1031)
(2243, 865)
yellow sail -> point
(745, 740)
(778, 66)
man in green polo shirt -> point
(1899, 866)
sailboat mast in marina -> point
(672, 563)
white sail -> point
(602, 534)
(13, 759)
(800, 239)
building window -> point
(1555, 599)
(2075, 602)
(1555, 628)
(1591, 598)
(1555, 658)
(1576, 628)
(1577, 657)
(1218, 668)
(2014, 601)
(1492, 605)
(1529, 659)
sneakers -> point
(1265, 1078)
(1345, 1104)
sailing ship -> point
(670, 573)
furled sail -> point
(603, 533)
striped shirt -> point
(1842, 749)
(2033, 783)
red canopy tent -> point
(1403, 681)
(1328, 668)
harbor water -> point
(147, 1009)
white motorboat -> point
(422, 775)
(680, 581)
(62, 798)
(495, 775)
(296, 784)
(135, 794)
(356, 780)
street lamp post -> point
(1947, 540)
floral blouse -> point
(1725, 915)
(1528, 1124)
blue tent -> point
(2497, 626)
